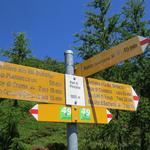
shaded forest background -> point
(127, 130)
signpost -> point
(70, 114)
(73, 99)
(110, 95)
(112, 56)
(31, 84)
(72, 138)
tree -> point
(100, 31)
(9, 130)
(47, 64)
(133, 24)
(95, 38)
(18, 52)
(133, 13)
(15, 121)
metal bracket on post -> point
(72, 140)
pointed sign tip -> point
(109, 116)
(34, 111)
(136, 99)
(145, 41)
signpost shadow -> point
(91, 101)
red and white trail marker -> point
(109, 116)
(34, 111)
(136, 99)
(144, 42)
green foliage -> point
(127, 130)
(19, 51)
(18, 129)
(9, 129)
(133, 24)
(100, 31)
(46, 64)
(51, 64)
(17, 144)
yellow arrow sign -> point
(32, 84)
(110, 95)
(62, 113)
(105, 59)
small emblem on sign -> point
(65, 113)
(84, 114)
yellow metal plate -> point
(109, 57)
(54, 113)
(31, 84)
(74, 114)
(109, 94)
(87, 114)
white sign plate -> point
(74, 90)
